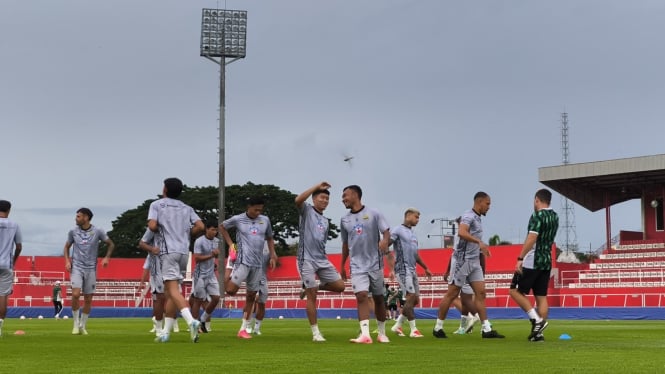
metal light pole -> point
(223, 35)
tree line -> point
(129, 227)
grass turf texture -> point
(123, 345)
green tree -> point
(496, 240)
(129, 227)
(127, 230)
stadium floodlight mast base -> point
(223, 35)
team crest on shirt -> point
(254, 230)
(358, 228)
(320, 226)
(85, 238)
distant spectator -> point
(57, 299)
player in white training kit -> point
(464, 303)
(365, 239)
(206, 250)
(254, 325)
(311, 256)
(405, 246)
(151, 244)
(467, 267)
(82, 264)
(175, 222)
(10, 249)
(253, 230)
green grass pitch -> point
(123, 345)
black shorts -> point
(392, 307)
(531, 279)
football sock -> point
(381, 327)
(84, 319)
(412, 325)
(187, 315)
(75, 314)
(364, 327)
(168, 324)
(534, 315)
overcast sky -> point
(435, 99)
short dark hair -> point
(544, 195)
(211, 223)
(480, 195)
(173, 187)
(5, 206)
(319, 191)
(256, 200)
(356, 188)
(85, 211)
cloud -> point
(436, 100)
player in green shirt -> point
(532, 271)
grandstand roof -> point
(622, 179)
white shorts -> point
(309, 270)
(371, 282)
(465, 272)
(86, 280)
(409, 283)
(262, 295)
(156, 284)
(156, 279)
(466, 288)
(205, 286)
(174, 266)
(250, 275)
(6, 282)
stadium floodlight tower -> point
(446, 240)
(223, 35)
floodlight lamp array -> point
(223, 33)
